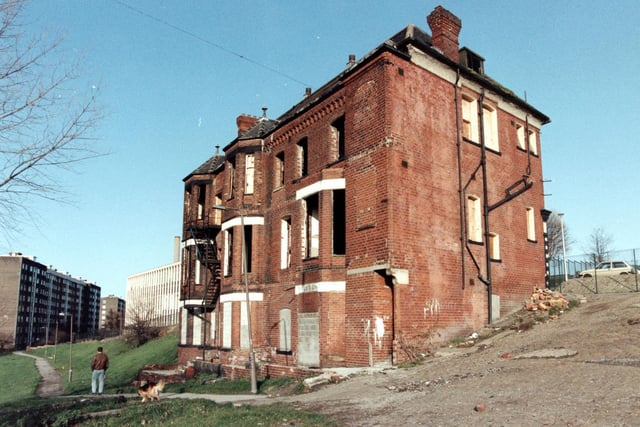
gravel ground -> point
(582, 369)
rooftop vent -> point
(472, 60)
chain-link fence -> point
(584, 272)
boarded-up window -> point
(474, 219)
(533, 143)
(249, 172)
(531, 225)
(285, 330)
(469, 119)
(490, 127)
(244, 325)
(226, 324)
(285, 243)
(312, 226)
(494, 246)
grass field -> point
(19, 378)
(20, 407)
(124, 362)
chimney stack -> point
(176, 248)
(245, 122)
(445, 28)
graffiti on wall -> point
(431, 308)
(374, 328)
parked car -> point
(608, 268)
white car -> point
(608, 268)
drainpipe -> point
(485, 206)
(460, 192)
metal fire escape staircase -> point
(206, 252)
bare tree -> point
(112, 323)
(555, 227)
(7, 340)
(44, 123)
(600, 244)
(141, 322)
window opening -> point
(248, 248)
(228, 252)
(202, 195)
(303, 160)
(312, 227)
(232, 177)
(337, 138)
(279, 170)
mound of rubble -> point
(545, 300)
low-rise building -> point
(398, 205)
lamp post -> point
(564, 250)
(70, 348)
(46, 339)
(70, 342)
(252, 359)
(55, 340)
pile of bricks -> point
(545, 300)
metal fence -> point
(561, 270)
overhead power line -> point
(209, 42)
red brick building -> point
(398, 205)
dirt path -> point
(582, 369)
(50, 382)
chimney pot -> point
(445, 28)
(245, 122)
(352, 61)
(307, 92)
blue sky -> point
(173, 75)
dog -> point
(151, 390)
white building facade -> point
(155, 293)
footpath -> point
(50, 385)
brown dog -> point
(151, 390)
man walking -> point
(99, 366)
